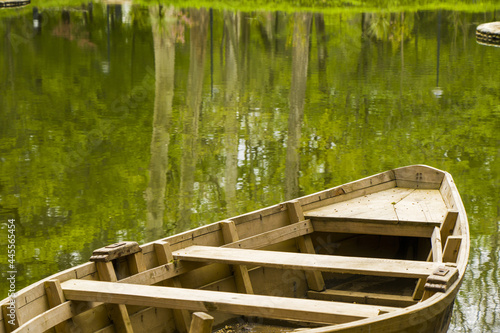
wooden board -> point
(397, 204)
(48, 319)
(303, 261)
(203, 300)
(373, 227)
(274, 236)
(359, 297)
(201, 323)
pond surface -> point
(129, 123)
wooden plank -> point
(274, 236)
(201, 323)
(161, 273)
(362, 298)
(47, 319)
(117, 312)
(136, 263)
(164, 254)
(372, 226)
(55, 297)
(243, 283)
(351, 191)
(437, 248)
(448, 225)
(94, 319)
(421, 205)
(419, 176)
(379, 204)
(204, 300)
(418, 184)
(303, 261)
(315, 279)
(452, 248)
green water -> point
(134, 122)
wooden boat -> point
(385, 253)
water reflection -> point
(190, 115)
(300, 61)
(231, 42)
(164, 23)
(295, 102)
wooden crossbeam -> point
(359, 297)
(206, 300)
(243, 283)
(372, 226)
(315, 279)
(310, 262)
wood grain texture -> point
(303, 261)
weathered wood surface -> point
(114, 251)
(48, 319)
(295, 214)
(164, 254)
(203, 300)
(243, 283)
(436, 246)
(274, 236)
(55, 298)
(302, 261)
(201, 323)
(372, 227)
(359, 297)
(117, 312)
(394, 204)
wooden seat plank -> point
(206, 300)
(303, 261)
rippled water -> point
(128, 122)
